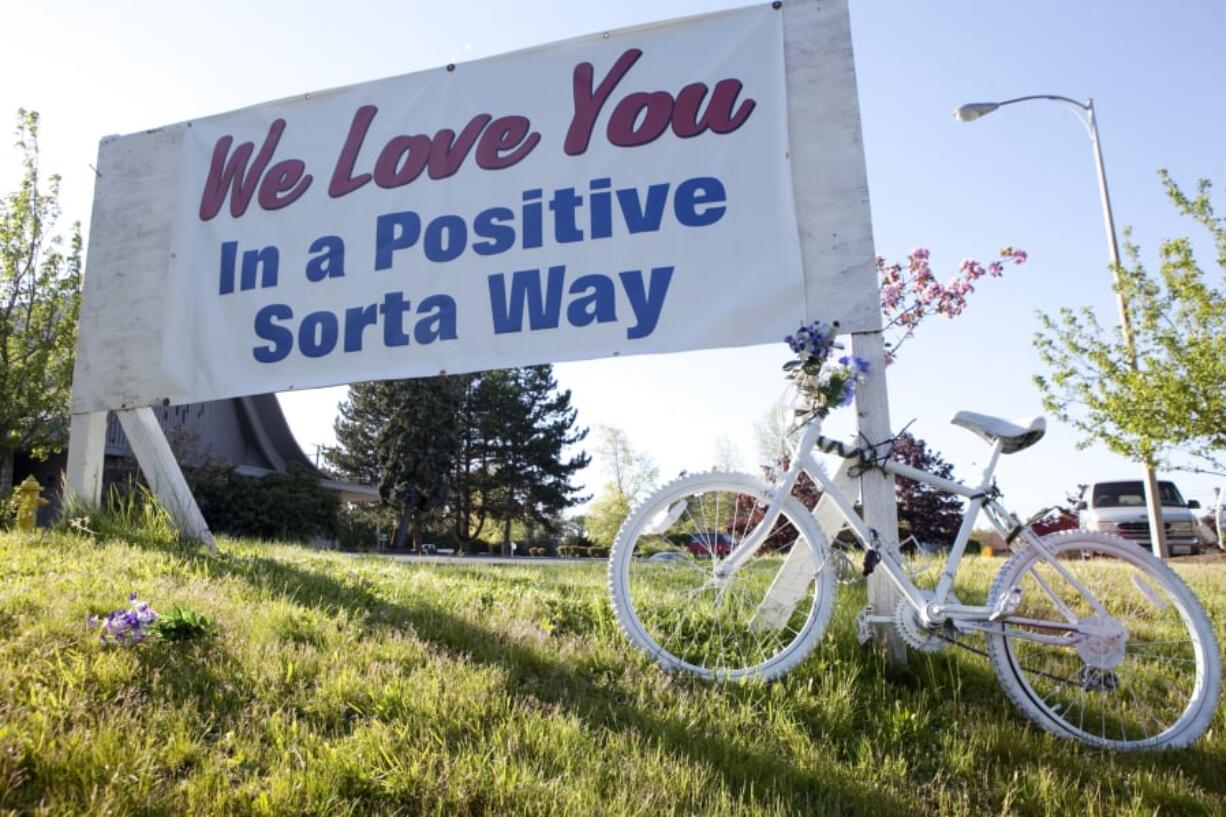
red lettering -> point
(284, 184)
(640, 118)
(402, 160)
(687, 121)
(589, 101)
(504, 134)
(448, 151)
(231, 176)
(343, 180)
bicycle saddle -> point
(1014, 437)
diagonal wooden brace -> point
(161, 469)
(795, 574)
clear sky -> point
(1023, 176)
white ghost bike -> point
(728, 577)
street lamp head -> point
(974, 110)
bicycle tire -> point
(1123, 690)
(672, 609)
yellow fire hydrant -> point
(29, 500)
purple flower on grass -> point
(128, 626)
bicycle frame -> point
(979, 497)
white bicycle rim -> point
(673, 611)
(1155, 689)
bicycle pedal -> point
(865, 632)
(1007, 605)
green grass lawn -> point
(344, 685)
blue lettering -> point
(395, 231)
(282, 339)
(599, 305)
(357, 318)
(456, 231)
(393, 308)
(543, 311)
(601, 203)
(563, 205)
(643, 217)
(440, 325)
(646, 305)
(263, 262)
(703, 191)
(308, 343)
(532, 219)
(501, 236)
(229, 255)
(331, 261)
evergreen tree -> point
(361, 417)
(533, 478)
(417, 449)
(480, 447)
(404, 435)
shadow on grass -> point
(753, 776)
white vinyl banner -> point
(625, 193)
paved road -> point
(471, 561)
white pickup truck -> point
(1119, 508)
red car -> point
(707, 543)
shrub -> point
(292, 506)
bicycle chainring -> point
(914, 634)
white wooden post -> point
(86, 453)
(162, 472)
(880, 503)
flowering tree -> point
(911, 293)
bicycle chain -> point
(985, 654)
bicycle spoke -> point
(1125, 661)
(691, 616)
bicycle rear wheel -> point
(1146, 677)
(761, 621)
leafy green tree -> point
(630, 472)
(631, 475)
(40, 298)
(1169, 410)
(606, 515)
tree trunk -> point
(415, 527)
(6, 473)
(506, 538)
(406, 520)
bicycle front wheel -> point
(1144, 671)
(759, 622)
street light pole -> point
(1085, 112)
